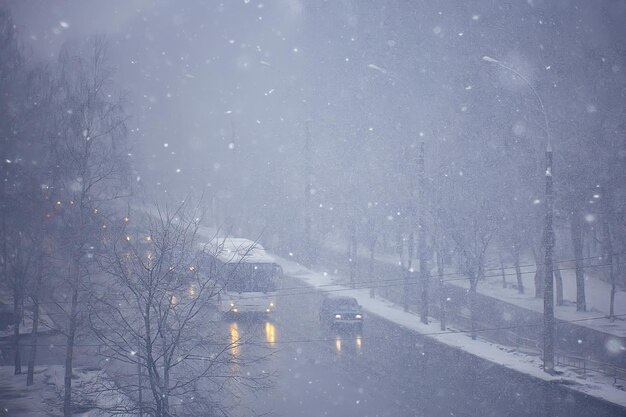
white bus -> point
(248, 276)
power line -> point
(397, 281)
(437, 333)
(414, 281)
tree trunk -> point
(71, 336)
(33, 349)
(352, 252)
(518, 271)
(607, 214)
(165, 390)
(405, 298)
(502, 269)
(613, 289)
(577, 242)
(139, 379)
(407, 273)
(370, 273)
(559, 286)
(472, 303)
(442, 290)
(69, 356)
(17, 303)
(424, 278)
(539, 275)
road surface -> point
(386, 371)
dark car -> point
(341, 310)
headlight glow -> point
(358, 316)
(337, 316)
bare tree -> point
(89, 172)
(153, 311)
(472, 241)
(11, 105)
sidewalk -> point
(44, 397)
(597, 292)
(605, 340)
(26, 325)
(597, 386)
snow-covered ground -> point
(597, 292)
(45, 396)
(596, 385)
(26, 325)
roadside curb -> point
(572, 386)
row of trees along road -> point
(69, 245)
(484, 137)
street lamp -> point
(517, 73)
(548, 293)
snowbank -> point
(598, 386)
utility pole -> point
(421, 238)
(307, 188)
(548, 293)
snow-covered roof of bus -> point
(237, 250)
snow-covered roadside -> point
(44, 397)
(594, 385)
(26, 325)
(596, 291)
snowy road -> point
(387, 371)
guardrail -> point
(584, 365)
(587, 365)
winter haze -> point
(305, 208)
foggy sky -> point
(214, 84)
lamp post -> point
(548, 293)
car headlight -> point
(358, 316)
(232, 304)
(272, 304)
(337, 316)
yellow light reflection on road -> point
(234, 339)
(358, 343)
(270, 333)
(338, 344)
